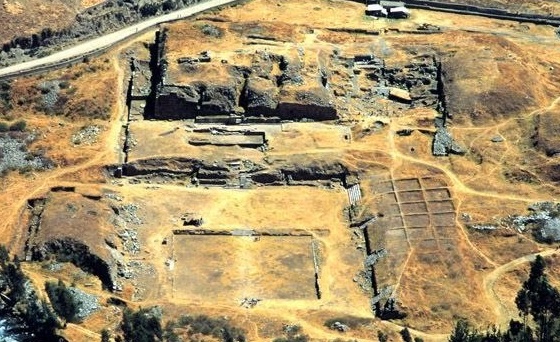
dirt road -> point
(108, 40)
(502, 313)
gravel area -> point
(125, 219)
(88, 303)
(14, 154)
(86, 136)
(49, 91)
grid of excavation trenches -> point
(416, 215)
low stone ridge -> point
(239, 174)
(547, 126)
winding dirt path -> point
(489, 281)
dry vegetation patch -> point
(84, 91)
(489, 79)
(24, 17)
(231, 268)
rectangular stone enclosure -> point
(230, 268)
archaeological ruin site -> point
(327, 170)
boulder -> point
(550, 230)
(177, 102)
(546, 138)
(218, 99)
(312, 103)
(400, 95)
(444, 144)
(260, 97)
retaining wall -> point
(495, 13)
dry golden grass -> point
(24, 17)
(90, 3)
(230, 268)
(13, 7)
(87, 92)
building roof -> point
(401, 9)
(391, 4)
(375, 7)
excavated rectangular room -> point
(231, 268)
(150, 138)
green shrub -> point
(204, 325)
(4, 127)
(62, 300)
(18, 126)
(212, 31)
(141, 326)
(64, 85)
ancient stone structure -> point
(252, 94)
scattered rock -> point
(444, 144)
(249, 303)
(88, 303)
(339, 326)
(497, 139)
(14, 154)
(87, 135)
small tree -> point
(18, 126)
(539, 299)
(62, 300)
(105, 336)
(41, 319)
(381, 336)
(4, 256)
(463, 332)
(141, 326)
(15, 281)
(405, 334)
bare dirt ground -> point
(439, 269)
